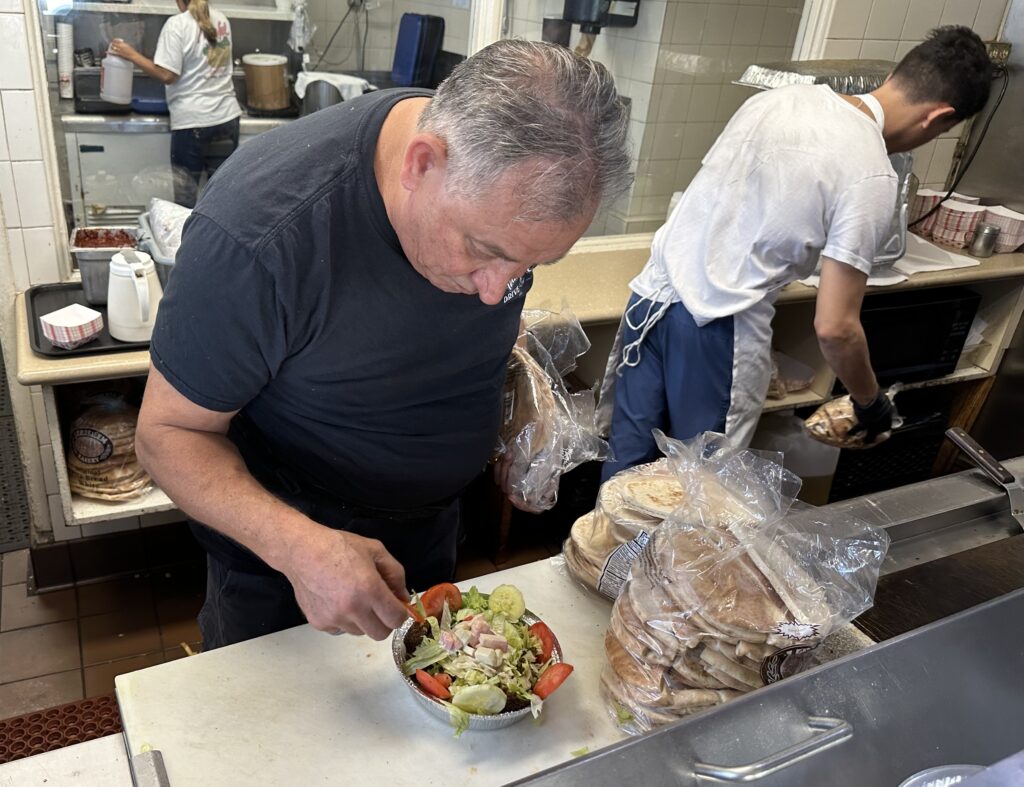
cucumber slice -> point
(508, 601)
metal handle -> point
(982, 458)
(831, 732)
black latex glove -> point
(873, 419)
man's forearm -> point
(847, 355)
(205, 476)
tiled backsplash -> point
(888, 29)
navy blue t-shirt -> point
(292, 301)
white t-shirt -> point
(798, 172)
(203, 94)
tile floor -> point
(65, 645)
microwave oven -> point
(917, 334)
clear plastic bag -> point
(831, 423)
(718, 604)
(707, 478)
(101, 456)
(546, 430)
(167, 219)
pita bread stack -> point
(831, 424)
(101, 455)
(636, 501)
(632, 502)
(695, 621)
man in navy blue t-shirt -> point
(329, 356)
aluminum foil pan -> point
(843, 76)
(434, 706)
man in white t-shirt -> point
(800, 175)
(193, 59)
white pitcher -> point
(133, 296)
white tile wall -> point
(14, 63)
(19, 112)
(33, 194)
(41, 255)
(11, 7)
(19, 262)
(894, 27)
(9, 196)
(5, 154)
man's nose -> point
(492, 283)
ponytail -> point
(200, 10)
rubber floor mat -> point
(14, 517)
(55, 728)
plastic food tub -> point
(94, 261)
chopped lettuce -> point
(427, 652)
(580, 752)
(459, 718)
(623, 715)
(484, 699)
(473, 600)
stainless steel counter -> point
(132, 123)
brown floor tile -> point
(127, 593)
(175, 632)
(40, 650)
(26, 696)
(18, 609)
(118, 635)
(99, 678)
(15, 567)
(471, 568)
(519, 557)
(178, 652)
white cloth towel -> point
(348, 86)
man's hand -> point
(873, 419)
(347, 583)
(502, 466)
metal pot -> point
(319, 94)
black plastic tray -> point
(46, 298)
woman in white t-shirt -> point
(193, 59)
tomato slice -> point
(444, 679)
(432, 685)
(433, 600)
(547, 639)
(551, 678)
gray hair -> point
(541, 106)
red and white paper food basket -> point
(924, 201)
(958, 197)
(1011, 227)
(955, 223)
(72, 326)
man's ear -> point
(942, 112)
(425, 154)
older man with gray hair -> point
(329, 356)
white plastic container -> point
(133, 296)
(116, 80)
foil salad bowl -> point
(434, 707)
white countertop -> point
(302, 707)
(102, 762)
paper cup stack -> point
(101, 459)
(700, 622)
(955, 223)
(1011, 228)
(65, 59)
(71, 326)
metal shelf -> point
(170, 9)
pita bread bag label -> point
(619, 565)
(91, 446)
(785, 662)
